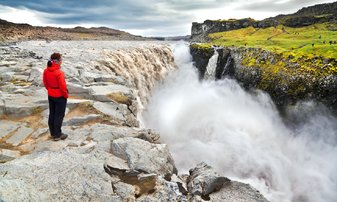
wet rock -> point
(203, 180)
(204, 184)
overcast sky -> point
(143, 17)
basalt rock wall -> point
(286, 79)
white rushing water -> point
(243, 137)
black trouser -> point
(57, 108)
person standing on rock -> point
(55, 83)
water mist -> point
(242, 135)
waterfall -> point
(243, 136)
(211, 66)
(227, 70)
(142, 67)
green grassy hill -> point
(314, 40)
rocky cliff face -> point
(285, 79)
(304, 17)
(107, 156)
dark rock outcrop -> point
(204, 184)
(284, 79)
(201, 56)
(200, 31)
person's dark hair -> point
(55, 56)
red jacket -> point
(54, 81)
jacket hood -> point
(53, 67)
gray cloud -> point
(280, 8)
(172, 16)
(127, 14)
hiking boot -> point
(63, 136)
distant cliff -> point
(16, 32)
(306, 16)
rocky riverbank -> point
(107, 156)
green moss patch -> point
(315, 40)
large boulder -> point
(204, 184)
(137, 185)
(145, 156)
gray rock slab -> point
(72, 103)
(2, 107)
(64, 175)
(145, 156)
(75, 137)
(18, 190)
(6, 76)
(78, 90)
(22, 133)
(19, 105)
(80, 120)
(102, 132)
(39, 132)
(7, 127)
(100, 93)
(111, 109)
(8, 155)
(35, 76)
